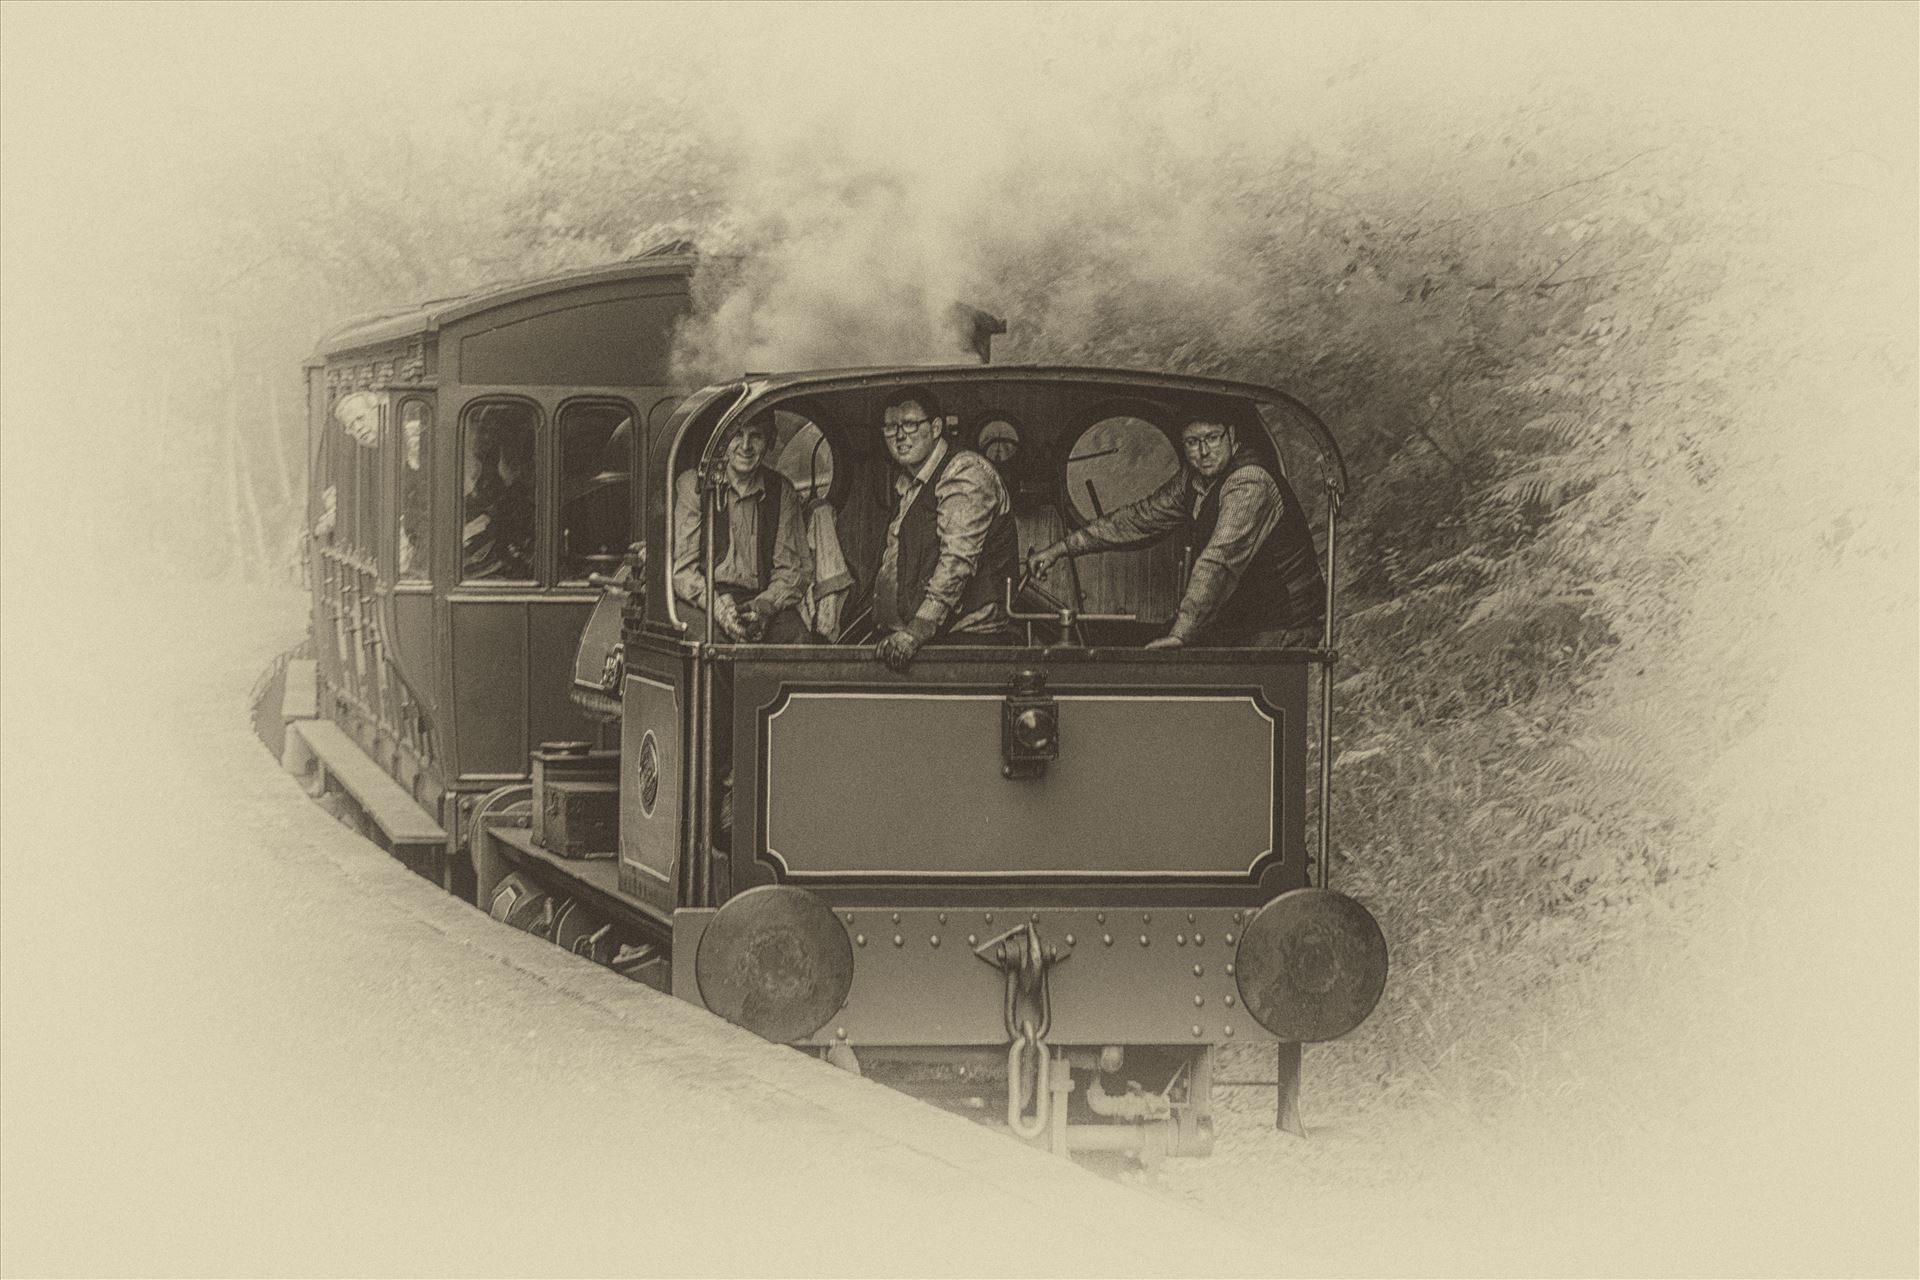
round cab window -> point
(801, 454)
(1000, 442)
(1116, 461)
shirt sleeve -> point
(967, 498)
(689, 578)
(1137, 523)
(1249, 509)
(788, 579)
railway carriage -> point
(1066, 863)
(443, 659)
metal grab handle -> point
(1324, 854)
(1057, 607)
(707, 483)
(1073, 566)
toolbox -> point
(576, 800)
(580, 819)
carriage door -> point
(545, 504)
(497, 583)
(596, 447)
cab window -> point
(801, 454)
(497, 504)
(1116, 461)
(597, 450)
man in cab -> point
(759, 553)
(951, 547)
(1255, 580)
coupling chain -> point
(1018, 1084)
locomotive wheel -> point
(584, 932)
(521, 904)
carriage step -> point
(401, 821)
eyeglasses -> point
(900, 430)
(1203, 442)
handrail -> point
(1326, 700)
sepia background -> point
(1613, 307)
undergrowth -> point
(1525, 390)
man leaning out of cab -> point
(759, 553)
(1255, 581)
(951, 547)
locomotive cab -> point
(1052, 852)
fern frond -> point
(1547, 483)
(1563, 428)
(1469, 568)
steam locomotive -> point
(1071, 864)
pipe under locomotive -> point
(1069, 861)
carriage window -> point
(357, 415)
(801, 454)
(497, 492)
(367, 493)
(338, 515)
(1116, 461)
(416, 493)
(596, 487)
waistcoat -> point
(1281, 586)
(770, 499)
(920, 550)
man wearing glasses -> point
(951, 547)
(1255, 579)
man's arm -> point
(787, 580)
(689, 576)
(967, 498)
(1137, 523)
(1249, 509)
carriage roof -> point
(428, 317)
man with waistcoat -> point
(951, 547)
(759, 552)
(1255, 580)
